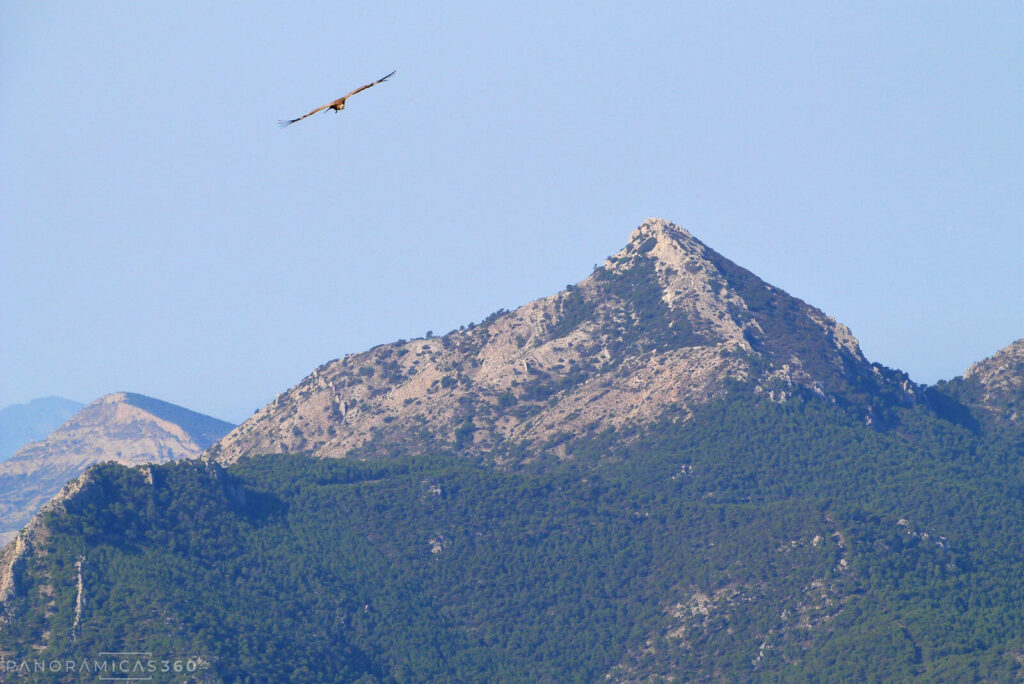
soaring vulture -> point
(338, 104)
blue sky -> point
(161, 235)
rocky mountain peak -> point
(674, 251)
(688, 276)
(666, 324)
(665, 241)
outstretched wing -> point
(339, 101)
(369, 85)
(289, 122)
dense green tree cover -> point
(757, 541)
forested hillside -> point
(758, 540)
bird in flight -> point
(338, 104)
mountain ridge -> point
(118, 427)
(664, 325)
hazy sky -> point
(161, 235)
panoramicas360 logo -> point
(133, 666)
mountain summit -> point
(666, 324)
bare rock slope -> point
(664, 325)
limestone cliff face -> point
(665, 325)
(123, 427)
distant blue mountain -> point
(24, 423)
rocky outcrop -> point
(999, 382)
(992, 391)
(664, 325)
